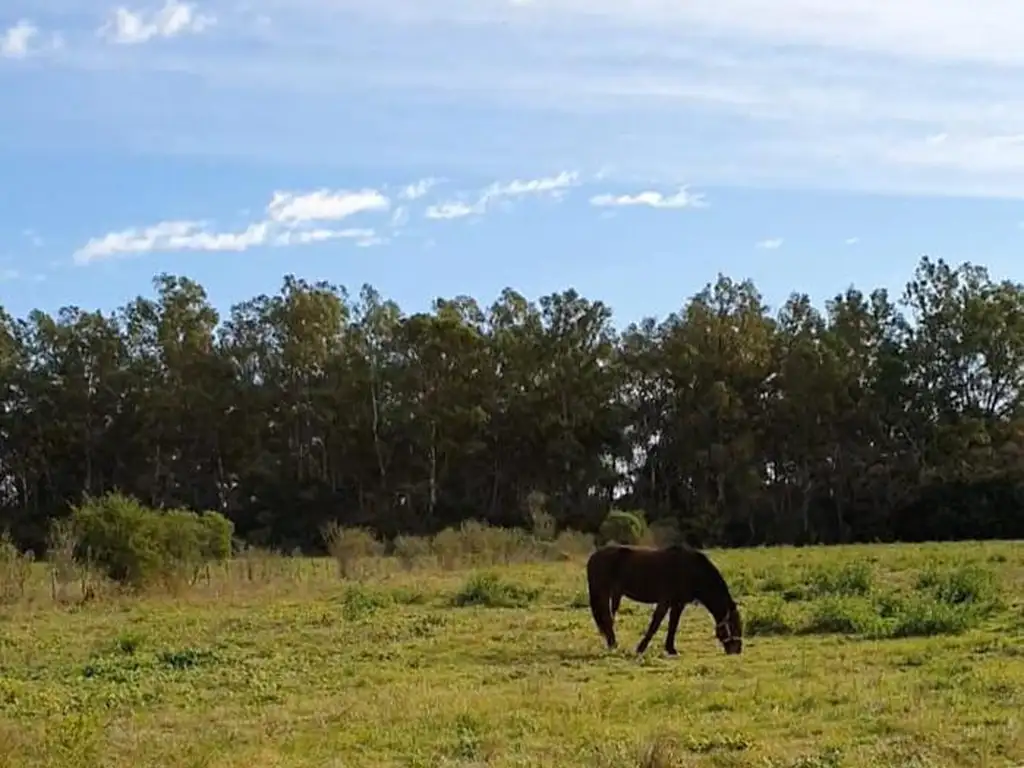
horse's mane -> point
(709, 569)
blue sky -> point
(630, 150)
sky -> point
(630, 150)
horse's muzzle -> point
(733, 647)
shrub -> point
(447, 547)
(351, 547)
(135, 545)
(15, 569)
(542, 523)
(623, 527)
(490, 590)
(411, 550)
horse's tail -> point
(601, 568)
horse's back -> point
(641, 573)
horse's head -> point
(711, 590)
(729, 631)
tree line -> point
(871, 418)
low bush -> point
(834, 615)
(490, 590)
(15, 569)
(766, 617)
(351, 548)
(963, 585)
(623, 527)
(917, 616)
(135, 546)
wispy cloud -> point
(417, 189)
(24, 39)
(290, 219)
(128, 27)
(770, 244)
(15, 41)
(496, 193)
(681, 199)
(848, 95)
(323, 205)
(852, 240)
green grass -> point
(855, 656)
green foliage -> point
(964, 585)
(15, 568)
(853, 579)
(623, 527)
(923, 617)
(841, 616)
(359, 603)
(135, 545)
(488, 589)
(745, 424)
(768, 616)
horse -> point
(670, 578)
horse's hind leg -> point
(600, 608)
(656, 619)
(674, 614)
(616, 601)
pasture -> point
(853, 656)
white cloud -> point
(17, 39)
(418, 189)
(852, 240)
(9, 273)
(286, 223)
(770, 244)
(681, 199)
(324, 205)
(553, 186)
(452, 210)
(400, 217)
(127, 27)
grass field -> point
(855, 656)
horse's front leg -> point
(656, 619)
(674, 615)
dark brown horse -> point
(669, 578)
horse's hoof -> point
(671, 651)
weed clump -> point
(917, 616)
(490, 590)
(835, 615)
(965, 585)
(15, 569)
(358, 603)
(853, 579)
(767, 617)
